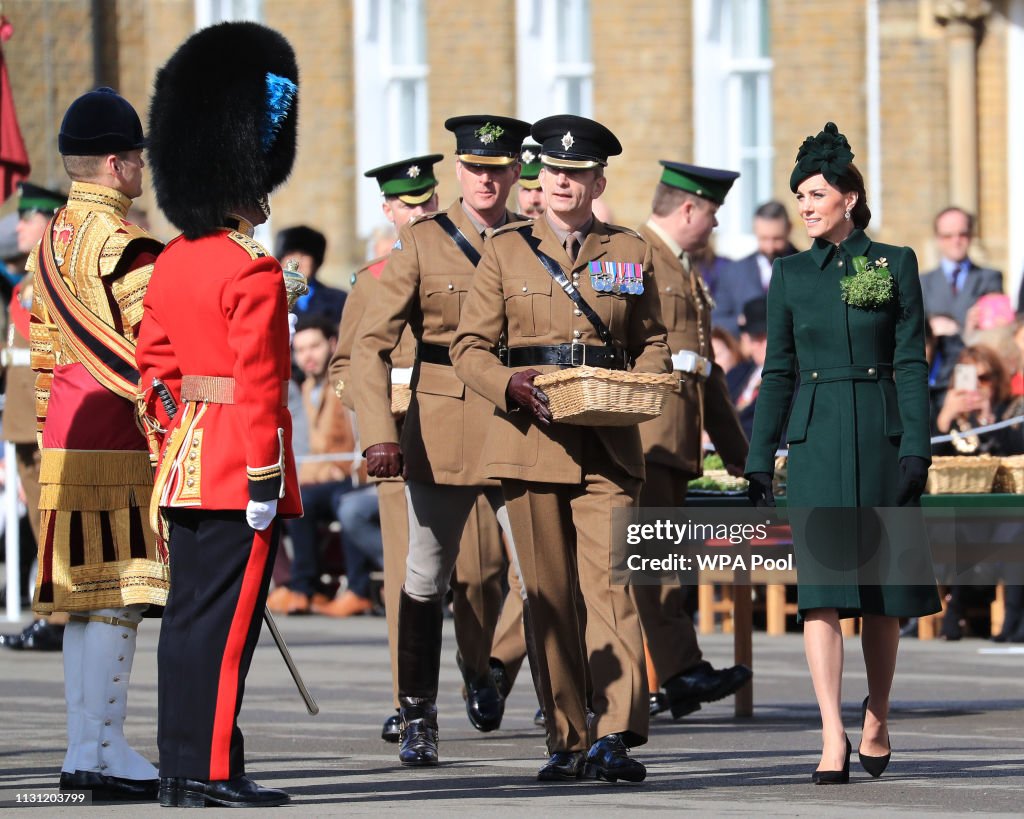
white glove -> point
(292, 321)
(260, 515)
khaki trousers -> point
(668, 628)
(563, 538)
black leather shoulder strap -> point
(448, 226)
(555, 271)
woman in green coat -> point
(846, 317)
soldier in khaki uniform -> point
(562, 482)
(36, 207)
(682, 218)
(409, 188)
(423, 286)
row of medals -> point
(617, 277)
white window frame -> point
(543, 80)
(719, 117)
(1015, 162)
(382, 132)
(209, 12)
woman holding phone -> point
(847, 317)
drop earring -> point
(847, 216)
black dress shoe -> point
(703, 683)
(563, 766)
(608, 759)
(660, 703)
(874, 765)
(109, 788)
(835, 777)
(500, 677)
(240, 792)
(485, 706)
(392, 730)
(39, 635)
(419, 732)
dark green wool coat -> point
(861, 405)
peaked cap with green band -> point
(709, 183)
(34, 198)
(411, 180)
(828, 153)
(529, 160)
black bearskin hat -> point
(222, 123)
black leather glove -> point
(913, 477)
(759, 490)
(521, 391)
(384, 460)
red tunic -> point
(216, 307)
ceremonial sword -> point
(171, 408)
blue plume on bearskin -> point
(223, 124)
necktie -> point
(570, 247)
(959, 274)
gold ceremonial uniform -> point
(562, 483)
(96, 550)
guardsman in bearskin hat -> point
(97, 559)
(423, 286)
(588, 297)
(214, 361)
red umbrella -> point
(14, 164)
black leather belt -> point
(568, 355)
(433, 353)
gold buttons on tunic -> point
(575, 333)
(524, 288)
(577, 312)
(190, 482)
(451, 286)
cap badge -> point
(413, 172)
(567, 141)
(488, 133)
(528, 156)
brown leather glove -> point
(521, 391)
(384, 460)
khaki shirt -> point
(674, 438)
(514, 294)
(424, 286)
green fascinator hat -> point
(828, 153)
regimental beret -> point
(32, 198)
(529, 158)
(709, 183)
(484, 139)
(828, 153)
(223, 123)
(301, 239)
(411, 180)
(98, 123)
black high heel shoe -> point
(835, 777)
(874, 765)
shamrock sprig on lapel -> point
(871, 286)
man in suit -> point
(744, 379)
(545, 285)
(748, 278)
(307, 246)
(424, 286)
(683, 216)
(957, 283)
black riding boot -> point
(419, 665)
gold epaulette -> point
(623, 229)
(248, 244)
(121, 235)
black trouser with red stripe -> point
(220, 569)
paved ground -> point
(957, 729)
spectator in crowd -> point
(744, 380)
(321, 483)
(1017, 382)
(957, 283)
(964, 408)
(363, 545)
(747, 278)
(306, 246)
(529, 196)
(727, 349)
